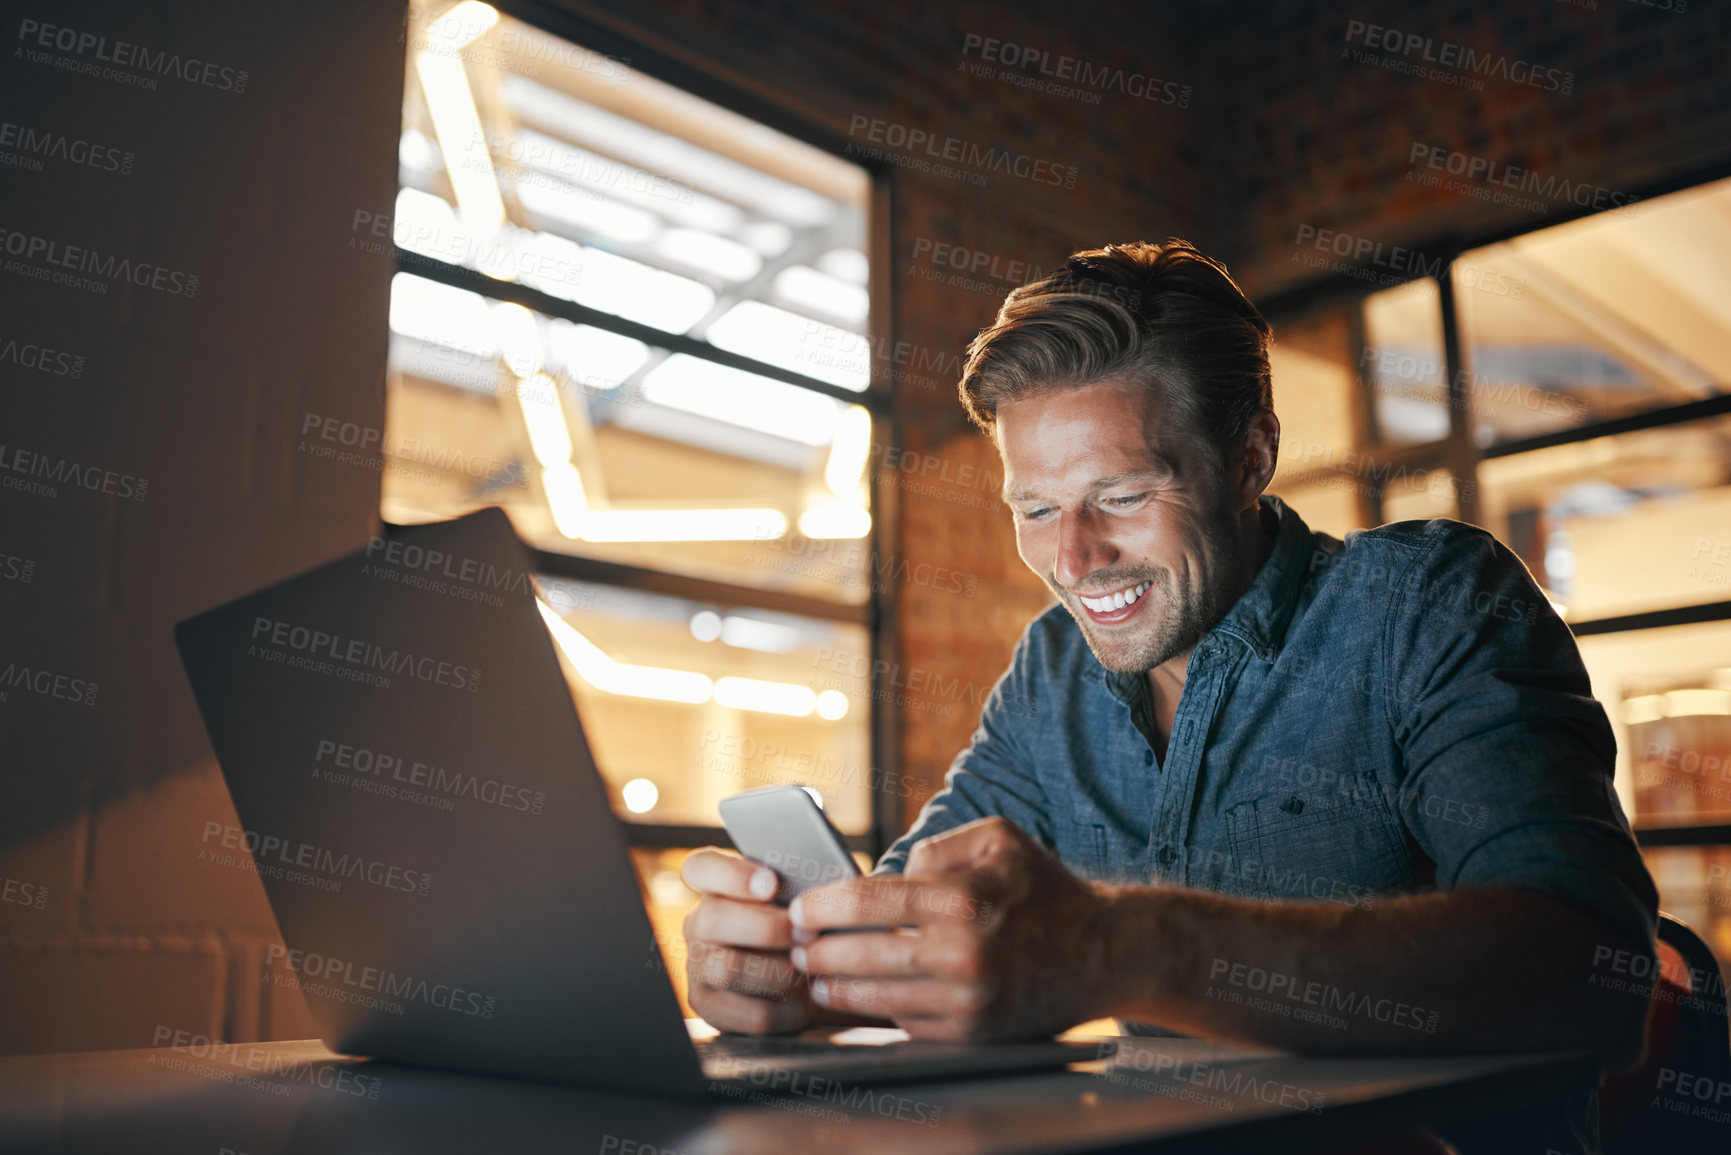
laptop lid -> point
(415, 787)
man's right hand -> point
(736, 948)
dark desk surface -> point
(1168, 1094)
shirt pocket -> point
(1085, 844)
(1307, 847)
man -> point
(1245, 780)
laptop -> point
(415, 791)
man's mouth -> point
(1112, 606)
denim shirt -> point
(1399, 712)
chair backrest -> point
(1678, 1097)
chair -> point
(1678, 1097)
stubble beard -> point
(1174, 623)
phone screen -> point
(783, 828)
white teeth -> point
(1116, 601)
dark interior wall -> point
(164, 427)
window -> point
(1585, 419)
(637, 321)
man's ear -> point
(1257, 454)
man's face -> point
(1124, 514)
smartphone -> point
(783, 828)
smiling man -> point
(1245, 780)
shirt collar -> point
(1261, 614)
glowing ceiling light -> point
(803, 285)
(844, 472)
(834, 520)
(744, 399)
(519, 338)
(462, 24)
(766, 697)
(727, 259)
(790, 341)
(1694, 703)
(566, 500)
(622, 525)
(706, 625)
(458, 127)
(640, 795)
(831, 705)
(549, 436)
(756, 634)
(604, 673)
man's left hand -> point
(993, 939)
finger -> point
(731, 923)
(742, 1014)
(899, 999)
(882, 900)
(942, 950)
(964, 847)
(760, 974)
(891, 955)
(726, 874)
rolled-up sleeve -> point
(996, 774)
(1508, 758)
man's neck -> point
(1166, 681)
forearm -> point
(1471, 970)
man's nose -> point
(1083, 547)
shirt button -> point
(1147, 757)
(1167, 856)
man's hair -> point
(1162, 315)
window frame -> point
(1461, 455)
(878, 613)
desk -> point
(1179, 1095)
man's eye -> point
(1125, 502)
(1036, 514)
